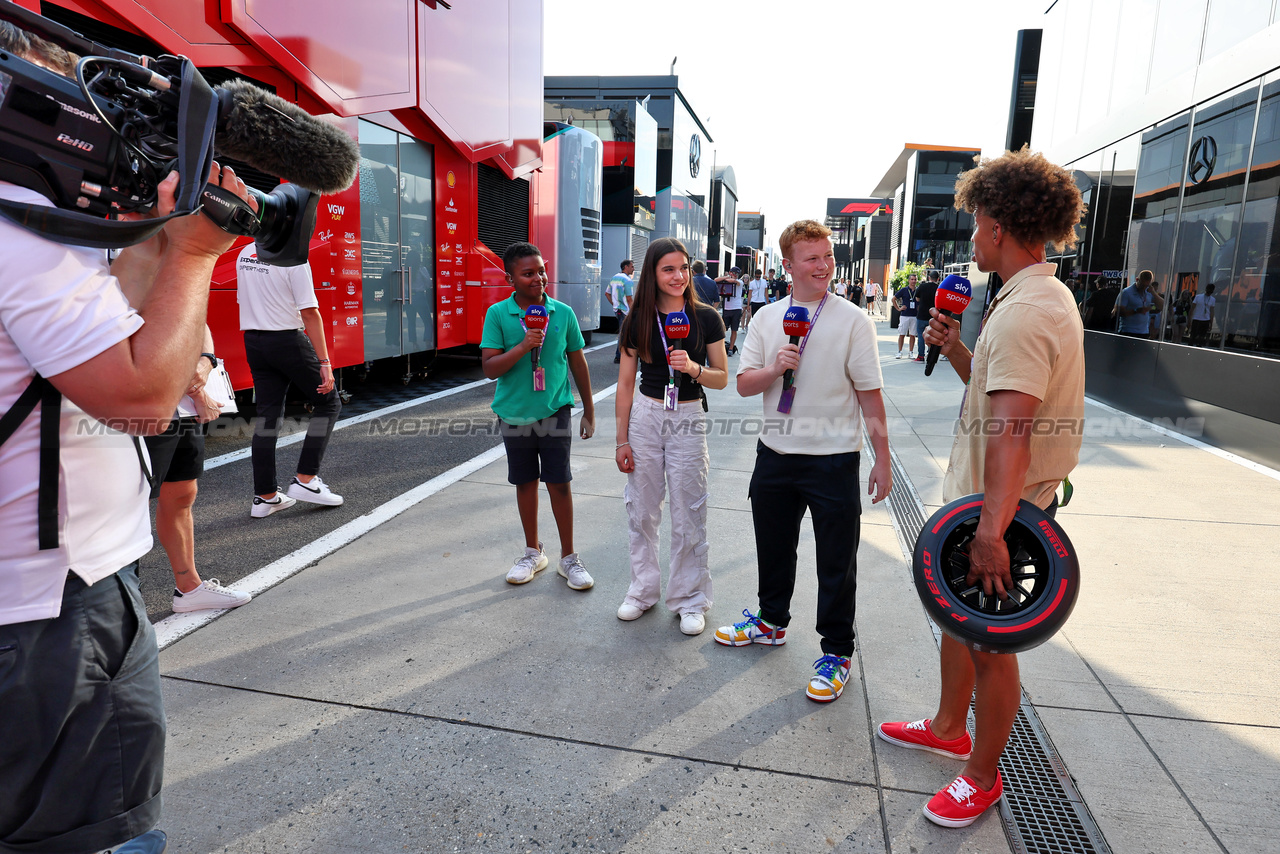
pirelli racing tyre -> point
(1042, 561)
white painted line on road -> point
(295, 438)
(1195, 443)
(177, 626)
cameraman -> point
(81, 721)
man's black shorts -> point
(732, 317)
(177, 454)
(82, 723)
(546, 442)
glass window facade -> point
(939, 232)
(1196, 201)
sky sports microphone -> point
(951, 299)
(676, 328)
(795, 324)
(535, 317)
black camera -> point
(100, 144)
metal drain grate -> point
(1041, 810)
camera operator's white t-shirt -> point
(60, 307)
(271, 298)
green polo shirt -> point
(515, 401)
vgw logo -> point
(336, 211)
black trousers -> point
(81, 722)
(278, 359)
(783, 486)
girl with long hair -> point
(661, 433)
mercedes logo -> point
(695, 155)
(1204, 155)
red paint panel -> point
(524, 40)
(228, 342)
(615, 152)
(464, 77)
(354, 57)
(484, 268)
(335, 268)
(455, 241)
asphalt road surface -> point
(368, 464)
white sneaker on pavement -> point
(263, 507)
(314, 491)
(574, 572)
(692, 622)
(208, 596)
(629, 612)
(533, 562)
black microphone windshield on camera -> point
(283, 140)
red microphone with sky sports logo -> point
(795, 323)
(535, 317)
(952, 298)
(676, 328)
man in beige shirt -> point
(1019, 435)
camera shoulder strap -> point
(78, 229)
(41, 391)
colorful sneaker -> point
(960, 804)
(917, 735)
(751, 630)
(263, 507)
(572, 570)
(210, 595)
(533, 562)
(314, 491)
(829, 675)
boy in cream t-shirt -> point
(808, 453)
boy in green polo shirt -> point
(533, 404)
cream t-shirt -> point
(839, 360)
(1032, 342)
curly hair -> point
(805, 229)
(1036, 201)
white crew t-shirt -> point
(734, 302)
(839, 359)
(271, 298)
(60, 307)
(759, 291)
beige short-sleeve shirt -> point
(1032, 342)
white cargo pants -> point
(671, 445)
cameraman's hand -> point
(198, 235)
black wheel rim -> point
(1028, 564)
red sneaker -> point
(918, 736)
(960, 804)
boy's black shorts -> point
(545, 442)
(732, 319)
(177, 454)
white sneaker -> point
(266, 506)
(629, 612)
(533, 562)
(209, 595)
(571, 568)
(314, 491)
(899, 356)
(692, 622)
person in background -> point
(1202, 306)
(759, 292)
(621, 292)
(705, 286)
(904, 300)
(285, 345)
(1133, 307)
(731, 294)
(662, 443)
(925, 296)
